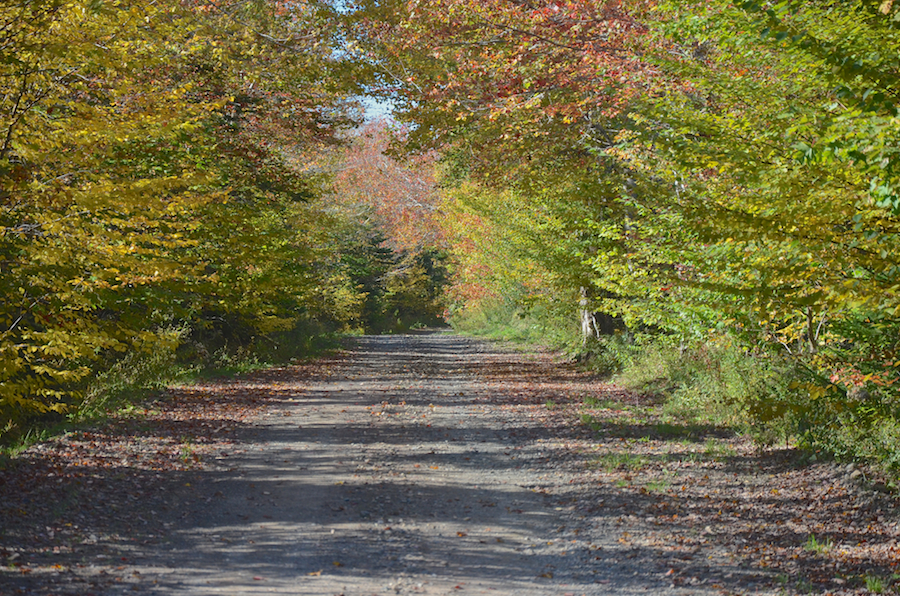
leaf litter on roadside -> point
(76, 507)
(723, 511)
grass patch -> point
(593, 403)
(592, 423)
(876, 584)
(814, 545)
(130, 380)
(657, 486)
(718, 450)
(619, 461)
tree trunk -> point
(588, 324)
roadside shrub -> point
(720, 381)
(129, 379)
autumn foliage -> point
(147, 198)
(398, 196)
(713, 176)
(707, 178)
(403, 277)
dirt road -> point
(401, 472)
(421, 464)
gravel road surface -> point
(431, 464)
(399, 472)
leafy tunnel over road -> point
(411, 464)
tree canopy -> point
(691, 171)
(717, 173)
(147, 187)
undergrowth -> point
(753, 389)
(132, 378)
(538, 324)
(758, 392)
